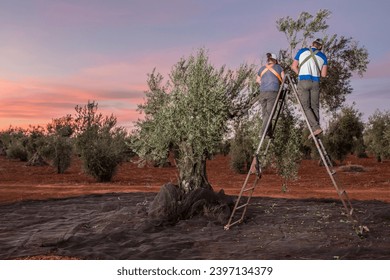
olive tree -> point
(59, 146)
(345, 133)
(14, 143)
(285, 151)
(100, 142)
(377, 134)
(344, 54)
(243, 144)
(188, 115)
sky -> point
(57, 54)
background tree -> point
(101, 144)
(36, 139)
(345, 133)
(345, 56)
(59, 147)
(244, 143)
(14, 143)
(189, 115)
(285, 150)
(377, 134)
(24, 144)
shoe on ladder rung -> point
(316, 133)
(255, 166)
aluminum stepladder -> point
(287, 86)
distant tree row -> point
(100, 143)
(346, 134)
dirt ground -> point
(44, 215)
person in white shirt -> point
(311, 64)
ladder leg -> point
(256, 164)
(328, 164)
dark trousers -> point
(309, 94)
(267, 101)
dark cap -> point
(272, 55)
(319, 41)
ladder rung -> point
(242, 206)
(236, 222)
(248, 189)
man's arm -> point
(282, 74)
(294, 66)
(258, 79)
(324, 71)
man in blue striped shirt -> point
(310, 64)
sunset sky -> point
(56, 54)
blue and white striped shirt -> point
(309, 70)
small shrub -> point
(17, 151)
(14, 143)
(285, 149)
(345, 134)
(59, 151)
(101, 144)
(59, 144)
(377, 135)
(102, 155)
(242, 146)
(240, 161)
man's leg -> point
(315, 104)
(304, 92)
(267, 103)
(263, 103)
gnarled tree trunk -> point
(193, 196)
(192, 170)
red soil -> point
(279, 227)
(20, 182)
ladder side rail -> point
(311, 132)
(280, 95)
(295, 91)
(340, 190)
(325, 153)
(267, 147)
(238, 199)
(281, 102)
(318, 147)
(249, 198)
(237, 207)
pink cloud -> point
(117, 84)
(379, 68)
(34, 102)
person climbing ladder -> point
(269, 78)
(310, 64)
